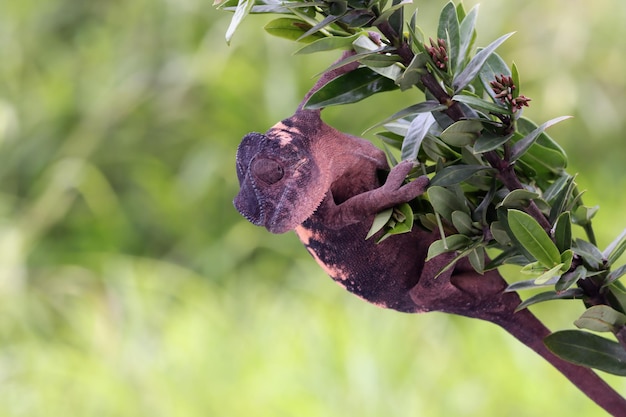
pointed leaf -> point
(571, 294)
(242, 10)
(563, 232)
(601, 318)
(590, 254)
(290, 28)
(480, 104)
(568, 279)
(448, 30)
(456, 174)
(415, 135)
(477, 259)
(587, 349)
(524, 144)
(350, 88)
(615, 248)
(550, 275)
(615, 275)
(461, 133)
(474, 66)
(467, 35)
(518, 199)
(534, 239)
(451, 243)
(530, 284)
(380, 220)
(423, 107)
(445, 202)
(328, 44)
(462, 222)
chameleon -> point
(327, 186)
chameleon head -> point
(275, 179)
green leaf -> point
(534, 239)
(489, 142)
(525, 143)
(530, 284)
(549, 275)
(462, 222)
(518, 199)
(601, 318)
(563, 232)
(445, 202)
(571, 294)
(499, 233)
(380, 220)
(492, 67)
(290, 28)
(401, 221)
(467, 35)
(561, 197)
(456, 174)
(451, 243)
(480, 104)
(242, 10)
(587, 349)
(423, 107)
(461, 133)
(591, 256)
(477, 259)
(321, 25)
(328, 44)
(448, 30)
(415, 135)
(615, 275)
(615, 249)
(582, 215)
(516, 82)
(349, 88)
(568, 279)
(567, 257)
(474, 66)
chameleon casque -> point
(327, 185)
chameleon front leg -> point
(367, 204)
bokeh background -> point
(129, 286)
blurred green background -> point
(129, 285)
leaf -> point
(380, 220)
(525, 143)
(462, 222)
(568, 279)
(563, 232)
(615, 275)
(328, 44)
(290, 28)
(492, 67)
(415, 135)
(467, 35)
(242, 10)
(448, 30)
(401, 221)
(477, 259)
(321, 25)
(561, 197)
(456, 174)
(601, 318)
(423, 107)
(534, 239)
(518, 199)
(530, 284)
(461, 133)
(587, 349)
(591, 256)
(451, 243)
(571, 294)
(349, 88)
(474, 66)
(480, 104)
(549, 275)
(615, 248)
(445, 202)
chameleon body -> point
(305, 176)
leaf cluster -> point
(499, 191)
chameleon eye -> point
(267, 170)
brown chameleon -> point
(306, 176)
